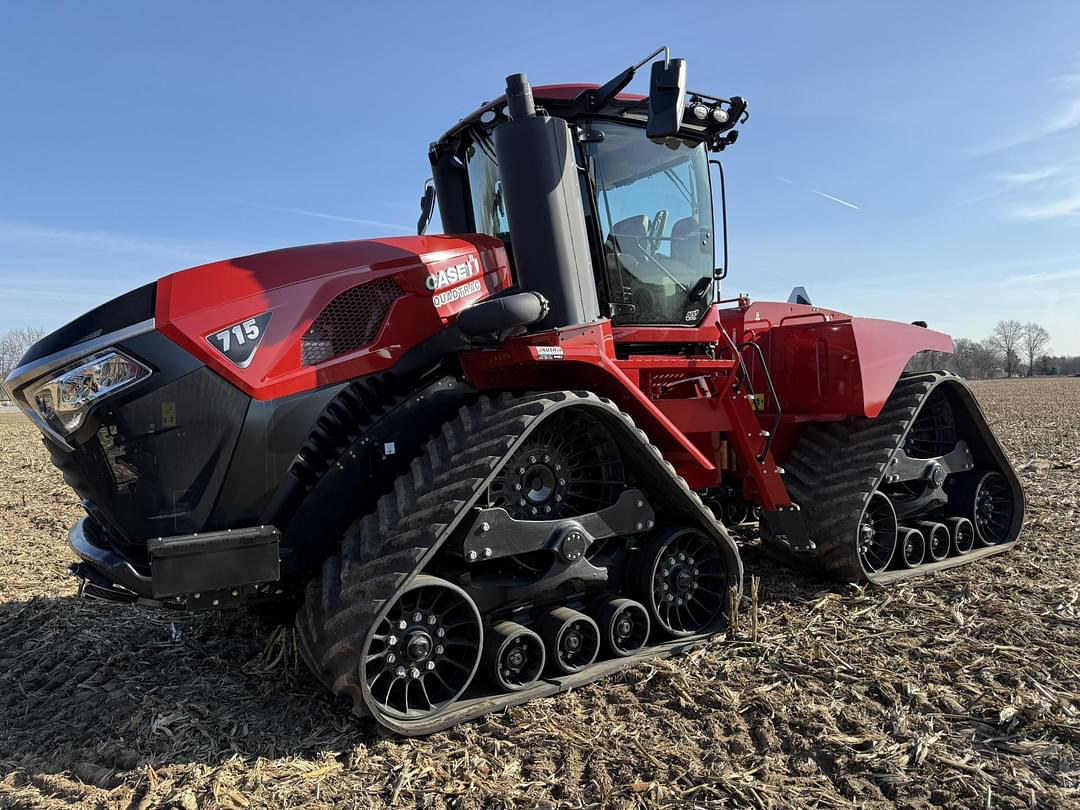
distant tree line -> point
(13, 345)
(1012, 349)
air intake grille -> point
(350, 321)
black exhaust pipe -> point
(538, 170)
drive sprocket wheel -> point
(422, 655)
(875, 534)
(682, 581)
(570, 466)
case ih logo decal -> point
(450, 276)
(240, 341)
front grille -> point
(349, 322)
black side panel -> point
(271, 436)
(130, 308)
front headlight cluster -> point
(63, 401)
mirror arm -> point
(721, 272)
(427, 206)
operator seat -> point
(685, 241)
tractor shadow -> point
(99, 689)
(116, 687)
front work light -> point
(63, 401)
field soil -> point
(962, 689)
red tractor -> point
(495, 464)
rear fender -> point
(841, 368)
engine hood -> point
(418, 283)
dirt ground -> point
(960, 690)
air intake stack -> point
(538, 170)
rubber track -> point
(836, 466)
(382, 551)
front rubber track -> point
(382, 551)
(836, 466)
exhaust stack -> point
(538, 170)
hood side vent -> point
(351, 321)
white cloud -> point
(40, 235)
(1063, 207)
(1025, 178)
(1056, 275)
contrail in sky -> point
(819, 193)
(336, 217)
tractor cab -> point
(628, 184)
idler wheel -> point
(736, 513)
(625, 624)
(962, 532)
(910, 547)
(572, 640)
(683, 581)
(875, 534)
(938, 540)
(421, 655)
(513, 656)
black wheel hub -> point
(569, 466)
(685, 581)
(876, 534)
(422, 654)
(993, 510)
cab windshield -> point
(654, 206)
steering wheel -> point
(656, 231)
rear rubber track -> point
(383, 551)
(836, 466)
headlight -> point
(64, 400)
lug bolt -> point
(414, 673)
(403, 625)
(532, 459)
(391, 640)
(640, 503)
(487, 552)
(472, 556)
(558, 498)
(521, 502)
(521, 470)
(390, 658)
(432, 620)
(682, 557)
(517, 487)
(547, 508)
(664, 587)
(485, 527)
(671, 561)
(558, 467)
(639, 525)
(534, 510)
(430, 665)
(562, 482)
(440, 632)
(400, 672)
(439, 649)
(670, 598)
(650, 523)
(418, 617)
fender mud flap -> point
(835, 467)
(384, 551)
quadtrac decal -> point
(239, 342)
(447, 286)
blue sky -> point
(913, 161)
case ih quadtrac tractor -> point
(495, 464)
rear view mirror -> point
(667, 98)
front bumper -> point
(210, 570)
(102, 565)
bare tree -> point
(13, 345)
(1007, 338)
(1035, 341)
